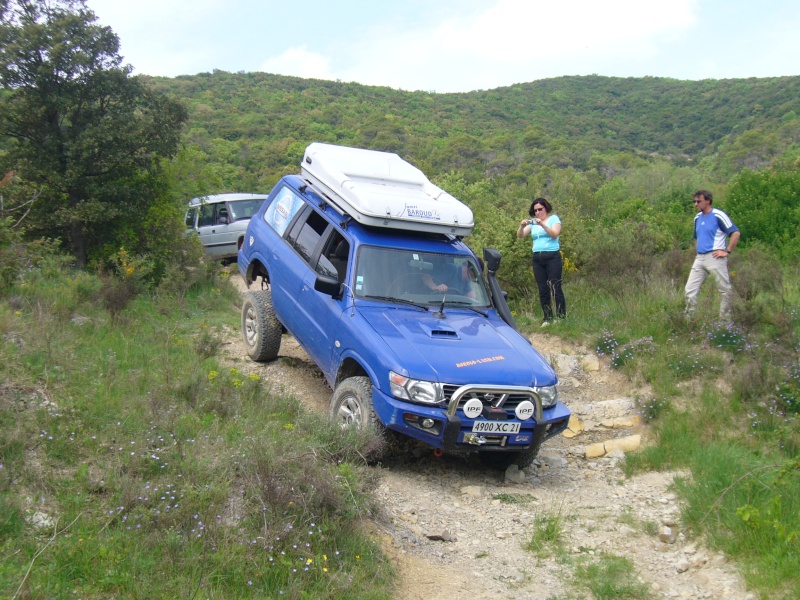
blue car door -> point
(312, 313)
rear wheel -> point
(261, 329)
(524, 458)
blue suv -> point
(410, 329)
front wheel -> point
(351, 406)
(261, 329)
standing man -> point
(712, 230)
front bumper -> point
(450, 429)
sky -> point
(458, 45)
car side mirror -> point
(492, 258)
(223, 220)
(329, 285)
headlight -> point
(548, 394)
(414, 390)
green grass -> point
(723, 405)
(610, 577)
(156, 471)
(506, 498)
(548, 532)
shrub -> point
(726, 336)
(651, 408)
(622, 256)
(764, 205)
(11, 253)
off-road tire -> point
(351, 406)
(503, 460)
(261, 330)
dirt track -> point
(456, 529)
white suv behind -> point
(221, 221)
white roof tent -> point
(382, 190)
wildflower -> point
(212, 375)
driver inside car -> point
(451, 277)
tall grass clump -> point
(548, 530)
(136, 462)
(610, 577)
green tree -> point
(80, 126)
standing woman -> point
(545, 227)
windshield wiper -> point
(465, 304)
(397, 300)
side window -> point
(283, 208)
(206, 215)
(310, 234)
(325, 267)
(333, 260)
(191, 215)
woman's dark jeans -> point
(547, 269)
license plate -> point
(502, 427)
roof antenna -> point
(440, 313)
(352, 299)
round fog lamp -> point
(427, 423)
(473, 408)
(524, 410)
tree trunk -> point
(78, 244)
(77, 233)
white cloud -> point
(458, 45)
(300, 62)
(152, 14)
(516, 30)
(152, 40)
(497, 46)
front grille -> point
(490, 398)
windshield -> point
(421, 277)
(244, 209)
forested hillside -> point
(253, 126)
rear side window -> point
(282, 210)
(191, 215)
(206, 215)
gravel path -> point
(457, 530)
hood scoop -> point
(440, 331)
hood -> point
(462, 347)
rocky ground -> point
(456, 529)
